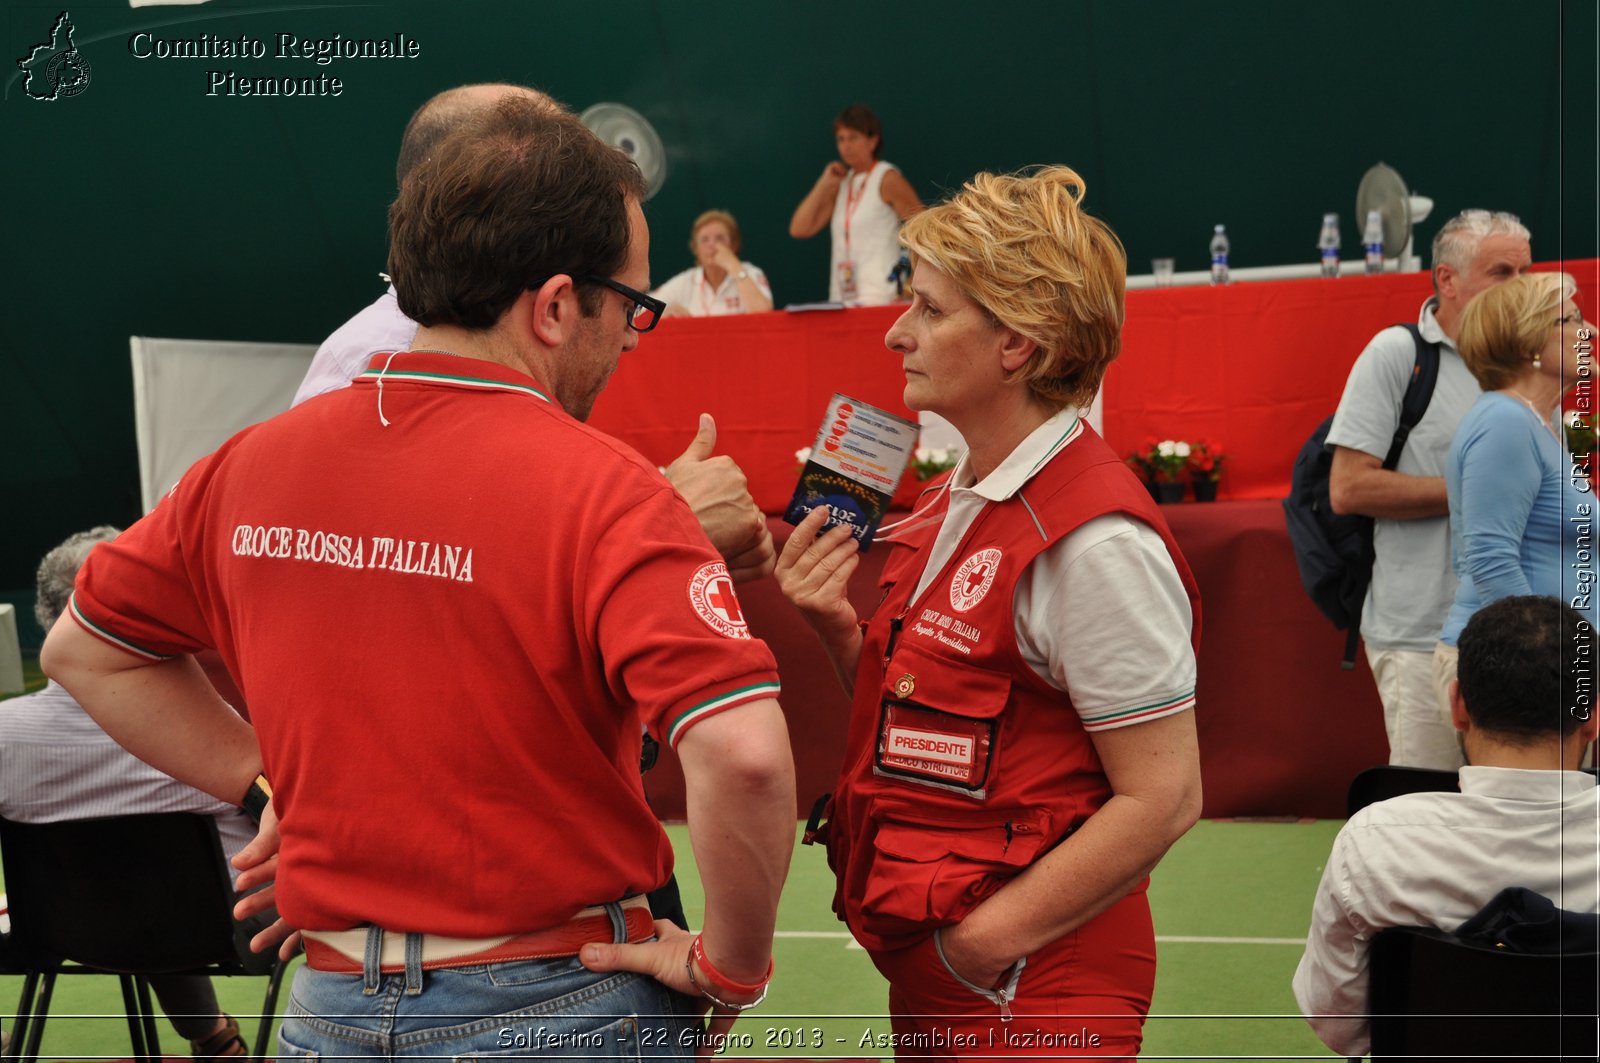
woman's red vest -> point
(962, 766)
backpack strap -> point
(1419, 392)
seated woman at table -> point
(862, 200)
(1519, 524)
(719, 282)
(1021, 750)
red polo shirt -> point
(448, 628)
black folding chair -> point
(1433, 996)
(1393, 780)
(129, 896)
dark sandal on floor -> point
(223, 1044)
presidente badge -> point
(934, 748)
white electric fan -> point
(1384, 190)
(627, 130)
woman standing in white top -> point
(721, 283)
(863, 200)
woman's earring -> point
(1538, 362)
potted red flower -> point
(1205, 469)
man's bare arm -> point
(1358, 483)
(165, 712)
(739, 794)
(739, 787)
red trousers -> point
(1083, 996)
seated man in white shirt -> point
(1526, 816)
(57, 764)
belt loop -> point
(372, 961)
(413, 965)
(619, 922)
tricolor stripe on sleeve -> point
(691, 716)
(1106, 721)
(106, 636)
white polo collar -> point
(1029, 456)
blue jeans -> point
(523, 1009)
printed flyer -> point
(857, 459)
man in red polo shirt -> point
(458, 795)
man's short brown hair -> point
(513, 197)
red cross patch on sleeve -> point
(711, 595)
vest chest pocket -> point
(939, 723)
(927, 873)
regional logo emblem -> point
(55, 69)
(711, 595)
(973, 579)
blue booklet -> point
(854, 466)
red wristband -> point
(721, 982)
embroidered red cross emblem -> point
(722, 600)
(976, 577)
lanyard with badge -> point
(708, 299)
(702, 291)
(853, 195)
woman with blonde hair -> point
(1521, 510)
(1021, 750)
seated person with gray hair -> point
(1523, 702)
(57, 764)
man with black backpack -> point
(1412, 583)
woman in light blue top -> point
(1522, 514)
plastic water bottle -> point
(1219, 256)
(1328, 244)
(1372, 241)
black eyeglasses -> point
(644, 313)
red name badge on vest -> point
(935, 748)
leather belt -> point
(341, 951)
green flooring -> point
(1242, 889)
